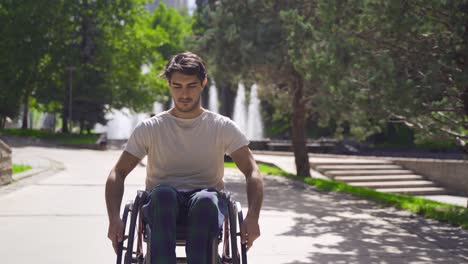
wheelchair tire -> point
(133, 255)
(121, 244)
(233, 233)
(240, 218)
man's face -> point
(186, 91)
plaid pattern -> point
(202, 212)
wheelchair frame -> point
(130, 250)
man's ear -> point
(204, 82)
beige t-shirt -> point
(185, 153)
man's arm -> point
(246, 163)
(114, 193)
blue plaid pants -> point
(201, 211)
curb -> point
(30, 177)
(27, 174)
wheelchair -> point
(137, 233)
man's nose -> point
(184, 92)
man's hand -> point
(116, 233)
(250, 230)
(114, 193)
(245, 161)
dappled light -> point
(312, 226)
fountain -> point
(119, 125)
(213, 103)
(47, 121)
(240, 114)
(158, 108)
(248, 118)
(254, 119)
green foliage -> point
(362, 63)
(27, 36)
(106, 42)
(174, 27)
(402, 64)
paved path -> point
(60, 218)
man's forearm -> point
(114, 193)
(255, 193)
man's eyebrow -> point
(176, 83)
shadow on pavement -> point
(340, 228)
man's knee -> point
(164, 194)
(205, 203)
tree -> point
(250, 40)
(28, 32)
(173, 27)
(359, 63)
(110, 44)
(399, 60)
(106, 42)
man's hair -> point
(187, 63)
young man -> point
(185, 148)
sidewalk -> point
(62, 218)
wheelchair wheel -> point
(124, 219)
(233, 233)
(129, 251)
(240, 218)
(236, 219)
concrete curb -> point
(42, 168)
(28, 173)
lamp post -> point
(70, 89)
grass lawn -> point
(17, 168)
(452, 214)
(69, 139)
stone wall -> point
(451, 174)
(5, 163)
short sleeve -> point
(234, 139)
(136, 144)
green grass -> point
(17, 168)
(454, 215)
(67, 139)
(263, 168)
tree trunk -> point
(298, 128)
(227, 99)
(81, 127)
(24, 124)
(464, 64)
(65, 113)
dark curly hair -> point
(187, 63)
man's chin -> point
(186, 109)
